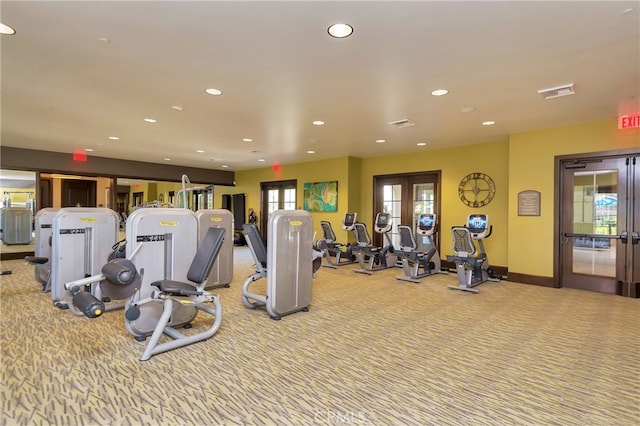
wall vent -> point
(556, 92)
(405, 122)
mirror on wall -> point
(18, 190)
(22, 189)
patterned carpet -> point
(371, 350)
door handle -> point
(635, 237)
(624, 237)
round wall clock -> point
(476, 189)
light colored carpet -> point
(371, 350)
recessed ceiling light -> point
(104, 40)
(261, 160)
(628, 11)
(150, 120)
(247, 140)
(167, 159)
(177, 108)
(467, 109)
(488, 123)
(381, 140)
(88, 149)
(340, 30)
(440, 92)
(5, 29)
(114, 138)
(224, 166)
(311, 152)
(318, 123)
(199, 151)
(421, 143)
(214, 92)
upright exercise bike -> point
(472, 264)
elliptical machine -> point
(378, 257)
(472, 265)
(419, 263)
(330, 248)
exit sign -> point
(629, 121)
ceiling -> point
(78, 72)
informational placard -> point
(529, 203)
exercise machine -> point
(15, 224)
(330, 248)
(418, 263)
(162, 279)
(82, 240)
(287, 262)
(41, 258)
(374, 258)
(472, 264)
(221, 273)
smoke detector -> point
(405, 122)
(556, 92)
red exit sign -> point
(629, 121)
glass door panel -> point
(598, 226)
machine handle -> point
(622, 236)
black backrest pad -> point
(206, 255)
(257, 245)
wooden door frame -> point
(407, 179)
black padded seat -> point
(37, 260)
(258, 246)
(176, 288)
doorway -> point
(78, 193)
(406, 197)
(276, 196)
(598, 223)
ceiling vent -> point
(556, 92)
(405, 122)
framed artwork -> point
(321, 196)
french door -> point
(405, 197)
(279, 195)
(600, 223)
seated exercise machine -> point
(221, 273)
(373, 258)
(288, 262)
(331, 248)
(162, 279)
(472, 265)
(41, 258)
(82, 240)
(15, 225)
(423, 262)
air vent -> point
(556, 92)
(405, 122)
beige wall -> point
(523, 162)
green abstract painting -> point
(321, 196)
